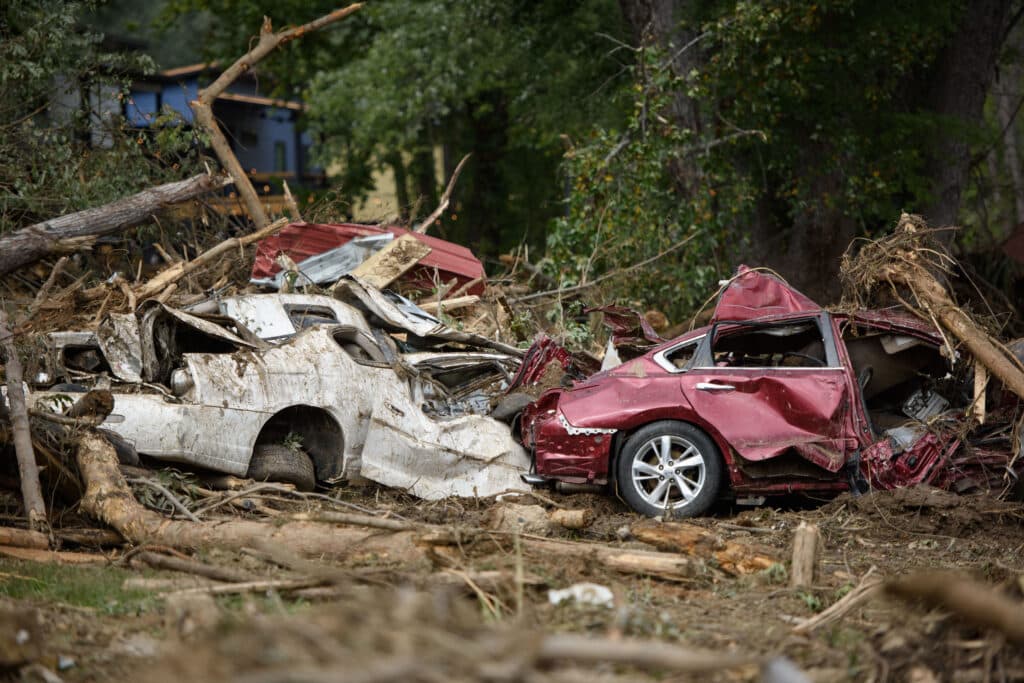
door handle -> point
(710, 386)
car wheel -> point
(669, 469)
(275, 462)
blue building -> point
(263, 131)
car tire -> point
(688, 473)
(275, 462)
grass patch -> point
(92, 587)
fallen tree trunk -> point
(108, 499)
(28, 472)
(29, 244)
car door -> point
(770, 387)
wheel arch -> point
(321, 434)
(622, 436)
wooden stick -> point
(176, 564)
(562, 647)
(181, 269)
(203, 105)
(450, 304)
(803, 568)
(251, 587)
(58, 268)
(28, 471)
(974, 602)
(291, 204)
(868, 588)
(446, 198)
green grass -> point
(88, 586)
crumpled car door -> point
(769, 388)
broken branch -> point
(446, 198)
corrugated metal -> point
(302, 240)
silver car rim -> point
(668, 472)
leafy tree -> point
(499, 79)
(62, 146)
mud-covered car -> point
(776, 395)
(301, 388)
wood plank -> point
(391, 262)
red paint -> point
(302, 240)
(812, 414)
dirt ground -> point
(391, 619)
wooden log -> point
(648, 654)
(806, 542)
(52, 556)
(28, 471)
(973, 602)
(202, 106)
(108, 499)
(23, 538)
(572, 519)
(21, 247)
(680, 537)
(391, 262)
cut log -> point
(29, 244)
(108, 499)
(391, 262)
(23, 538)
(572, 519)
(806, 542)
(52, 556)
(31, 492)
(732, 557)
(203, 105)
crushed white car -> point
(302, 388)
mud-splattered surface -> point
(400, 622)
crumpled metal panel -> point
(302, 240)
(432, 459)
(401, 313)
(754, 294)
(120, 341)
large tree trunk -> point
(957, 85)
(108, 499)
(24, 246)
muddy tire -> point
(669, 469)
(274, 462)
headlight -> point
(181, 381)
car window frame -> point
(661, 357)
(703, 359)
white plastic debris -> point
(583, 594)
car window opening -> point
(770, 346)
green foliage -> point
(500, 79)
(626, 204)
(830, 84)
(63, 144)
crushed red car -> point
(776, 395)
